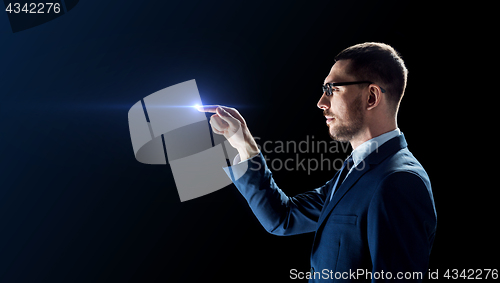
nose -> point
(324, 102)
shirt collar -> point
(369, 146)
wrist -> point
(248, 151)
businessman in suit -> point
(375, 219)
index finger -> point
(207, 108)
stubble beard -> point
(346, 130)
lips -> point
(329, 119)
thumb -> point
(227, 117)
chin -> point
(335, 135)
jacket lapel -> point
(349, 181)
(329, 192)
(388, 148)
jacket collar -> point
(362, 151)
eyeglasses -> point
(328, 88)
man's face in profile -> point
(344, 108)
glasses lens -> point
(326, 88)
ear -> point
(374, 96)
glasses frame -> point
(327, 88)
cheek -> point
(339, 108)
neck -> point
(372, 131)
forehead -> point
(338, 73)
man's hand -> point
(228, 122)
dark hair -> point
(379, 63)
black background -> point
(75, 205)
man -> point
(375, 219)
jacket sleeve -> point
(278, 213)
(401, 226)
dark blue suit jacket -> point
(382, 218)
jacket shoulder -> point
(402, 174)
(401, 163)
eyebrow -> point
(331, 82)
(334, 82)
